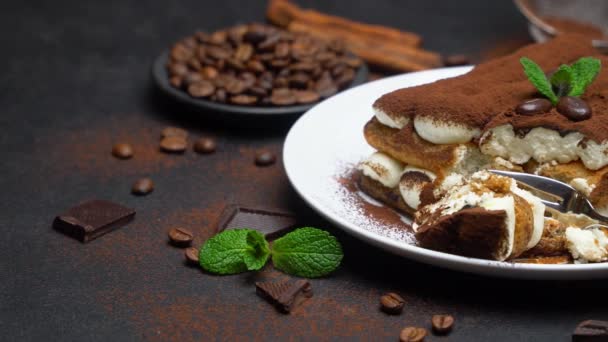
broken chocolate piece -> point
(591, 330)
(285, 295)
(92, 219)
(270, 222)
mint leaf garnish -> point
(562, 80)
(585, 71)
(537, 77)
(234, 251)
(307, 252)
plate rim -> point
(436, 258)
(159, 75)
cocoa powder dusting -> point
(487, 96)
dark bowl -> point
(161, 78)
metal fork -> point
(555, 194)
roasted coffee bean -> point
(173, 144)
(326, 90)
(345, 77)
(306, 96)
(181, 53)
(191, 78)
(189, 42)
(218, 53)
(235, 64)
(281, 50)
(201, 89)
(176, 81)
(338, 69)
(353, 62)
(180, 237)
(392, 303)
(279, 63)
(456, 60)
(325, 56)
(142, 187)
(574, 108)
(122, 151)
(266, 57)
(412, 334)
(303, 66)
(194, 64)
(257, 91)
(201, 53)
(591, 331)
(269, 43)
(243, 52)
(178, 69)
(299, 81)
(534, 106)
(282, 97)
(256, 66)
(265, 158)
(218, 38)
(220, 95)
(244, 100)
(442, 324)
(248, 79)
(205, 146)
(209, 72)
(254, 36)
(235, 87)
(170, 131)
(191, 254)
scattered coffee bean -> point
(205, 145)
(180, 237)
(262, 65)
(442, 324)
(174, 132)
(173, 144)
(265, 158)
(591, 331)
(456, 60)
(191, 254)
(122, 151)
(392, 303)
(412, 334)
(142, 186)
(534, 106)
(574, 108)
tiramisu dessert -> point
(542, 110)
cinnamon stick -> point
(283, 12)
(376, 52)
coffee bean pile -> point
(260, 65)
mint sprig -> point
(306, 252)
(234, 251)
(568, 80)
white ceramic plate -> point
(328, 140)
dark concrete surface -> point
(75, 80)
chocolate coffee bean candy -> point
(265, 158)
(122, 151)
(205, 146)
(244, 100)
(412, 334)
(173, 144)
(574, 108)
(180, 237)
(142, 186)
(591, 331)
(442, 324)
(191, 255)
(201, 89)
(171, 131)
(392, 303)
(306, 96)
(533, 106)
(456, 60)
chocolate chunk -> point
(265, 158)
(442, 324)
(122, 151)
(142, 186)
(534, 106)
(392, 303)
(591, 331)
(180, 237)
(191, 255)
(412, 334)
(271, 223)
(574, 108)
(173, 144)
(205, 146)
(285, 295)
(92, 219)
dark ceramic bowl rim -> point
(161, 78)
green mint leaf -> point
(537, 77)
(234, 251)
(562, 80)
(585, 71)
(307, 252)
(257, 255)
